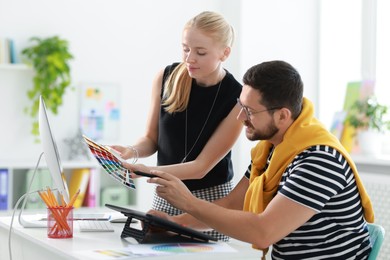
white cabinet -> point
(375, 174)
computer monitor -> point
(50, 151)
(53, 162)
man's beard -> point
(263, 135)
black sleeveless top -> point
(172, 127)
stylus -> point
(145, 174)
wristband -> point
(135, 153)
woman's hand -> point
(124, 152)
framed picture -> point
(100, 111)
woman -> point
(192, 120)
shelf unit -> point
(17, 177)
(15, 75)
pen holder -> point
(60, 222)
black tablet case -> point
(158, 230)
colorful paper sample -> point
(110, 163)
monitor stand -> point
(22, 221)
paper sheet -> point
(143, 250)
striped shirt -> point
(321, 179)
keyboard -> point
(95, 226)
(90, 216)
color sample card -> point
(107, 254)
(181, 248)
(110, 163)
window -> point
(339, 54)
(383, 51)
(354, 46)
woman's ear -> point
(226, 53)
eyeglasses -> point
(249, 113)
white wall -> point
(127, 42)
(285, 30)
(123, 42)
(340, 53)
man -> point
(301, 194)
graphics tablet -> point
(168, 231)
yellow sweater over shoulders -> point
(306, 131)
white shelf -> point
(380, 160)
(18, 66)
(374, 164)
(31, 164)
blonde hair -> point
(178, 84)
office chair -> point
(377, 234)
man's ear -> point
(283, 115)
(226, 53)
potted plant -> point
(368, 118)
(49, 58)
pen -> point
(144, 174)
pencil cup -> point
(60, 222)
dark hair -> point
(279, 84)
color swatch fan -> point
(110, 163)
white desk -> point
(33, 243)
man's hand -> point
(172, 190)
(136, 167)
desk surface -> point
(33, 243)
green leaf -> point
(50, 60)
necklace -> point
(204, 125)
